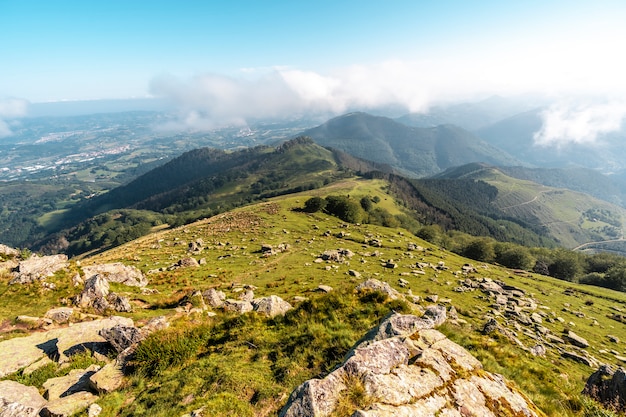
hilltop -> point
(223, 363)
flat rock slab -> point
(57, 344)
(19, 400)
(68, 406)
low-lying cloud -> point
(565, 124)
(209, 101)
(10, 108)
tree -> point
(514, 256)
(314, 204)
(565, 265)
(480, 249)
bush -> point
(314, 204)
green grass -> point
(248, 365)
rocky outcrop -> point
(17, 400)
(8, 251)
(56, 344)
(405, 367)
(37, 268)
(376, 285)
(96, 294)
(117, 272)
(608, 387)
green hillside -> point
(247, 365)
(572, 218)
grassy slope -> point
(559, 210)
(247, 366)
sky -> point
(223, 62)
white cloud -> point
(579, 123)
(10, 108)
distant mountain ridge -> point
(417, 152)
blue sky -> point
(212, 57)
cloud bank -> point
(10, 108)
(582, 124)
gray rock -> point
(59, 315)
(57, 344)
(214, 298)
(117, 272)
(96, 287)
(76, 381)
(271, 306)
(405, 375)
(607, 386)
(122, 337)
(8, 251)
(107, 379)
(69, 405)
(17, 400)
(37, 268)
(237, 306)
(576, 340)
(376, 285)
(324, 288)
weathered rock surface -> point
(59, 315)
(122, 337)
(576, 340)
(238, 306)
(608, 387)
(96, 294)
(57, 344)
(376, 285)
(17, 400)
(69, 405)
(214, 298)
(8, 251)
(37, 268)
(117, 272)
(77, 380)
(107, 379)
(407, 369)
(271, 306)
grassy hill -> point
(247, 365)
(572, 218)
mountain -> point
(469, 115)
(572, 218)
(515, 135)
(417, 152)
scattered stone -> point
(271, 306)
(94, 410)
(432, 298)
(576, 340)
(324, 288)
(122, 337)
(538, 350)
(613, 339)
(107, 379)
(336, 255)
(376, 285)
(403, 283)
(117, 272)
(354, 273)
(237, 306)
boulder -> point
(214, 298)
(271, 306)
(117, 272)
(8, 251)
(60, 315)
(122, 337)
(608, 387)
(237, 306)
(107, 379)
(414, 373)
(376, 285)
(69, 405)
(17, 400)
(37, 268)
